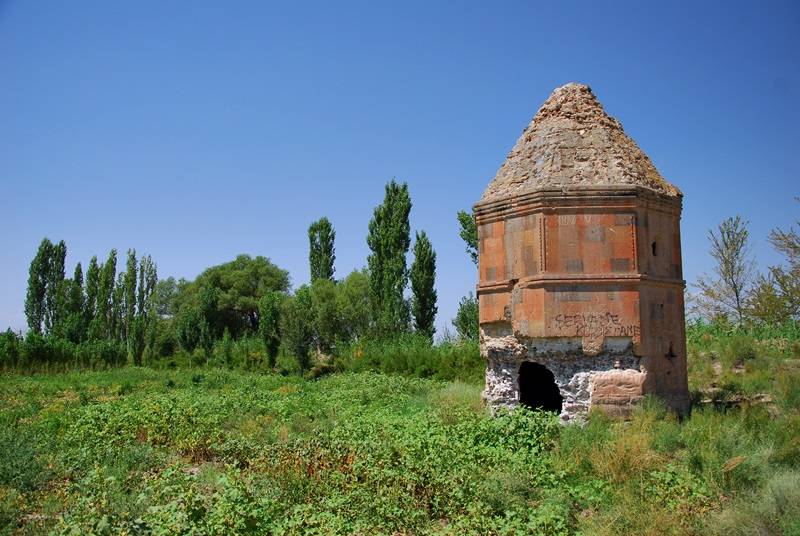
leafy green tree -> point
(765, 303)
(787, 277)
(72, 325)
(240, 284)
(423, 293)
(76, 294)
(150, 313)
(99, 329)
(269, 318)
(354, 305)
(389, 240)
(164, 297)
(209, 325)
(143, 328)
(165, 341)
(55, 279)
(325, 317)
(10, 348)
(466, 320)
(469, 233)
(321, 250)
(130, 298)
(38, 275)
(92, 289)
(188, 330)
(225, 356)
(297, 331)
(116, 324)
(726, 294)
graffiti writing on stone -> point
(596, 325)
(588, 219)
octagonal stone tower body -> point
(580, 279)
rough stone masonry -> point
(580, 278)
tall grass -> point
(413, 355)
(698, 330)
(407, 354)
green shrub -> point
(101, 353)
(166, 340)
(10, 344)
(739, 349)
(40, 350)
(466, 320)
(412, 355)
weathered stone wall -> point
(611, 378)
(588, 285)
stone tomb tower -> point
(580, 280)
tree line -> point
(243, 307)
(103, 306)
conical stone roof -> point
(572, 142)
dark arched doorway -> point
(537, 387)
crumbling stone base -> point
(611, 380)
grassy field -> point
(212, 451)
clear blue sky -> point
(196, 131)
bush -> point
(39, 350)
(466, 320)
(738, 349)
(166, 341)
(223, 351)
(102, 353)
(412, 355)
(10, 344)
(297, 326)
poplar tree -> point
(466, 320)
(37, 286)
(55, 279)
(130, 296)
(321, 250)
(105, 289)
(143, 323)
(74, 327)
(269, 318)
(92, 287)
(150, 313)
(76, 295)
(423, 293)
(389, 240)
(116, 325)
